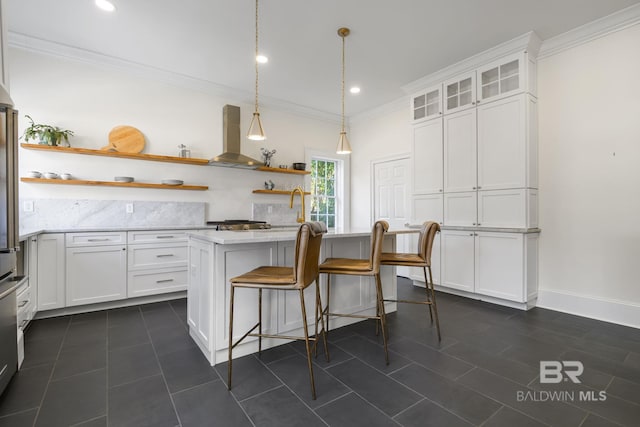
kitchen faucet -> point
(298, 189)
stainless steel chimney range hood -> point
(231, 157)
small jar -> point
(183, 152)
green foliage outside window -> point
(323, 192)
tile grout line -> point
(234, 397)
(53, 369)
(164, 380)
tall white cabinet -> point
(475, 171)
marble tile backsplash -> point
(59, 214)
(276, 213)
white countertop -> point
(275, 235)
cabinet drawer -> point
(157, 256)
(95, 239)
(159, 281)
(168, 236)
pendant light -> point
(256, 132)
(343, 143)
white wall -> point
(589, 175)
(374, 137)
(91, 100)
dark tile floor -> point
(138, 367)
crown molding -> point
(617, 21)
(57, 50)
(528, 41)
(400, 104)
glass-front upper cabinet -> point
(460, 93)
(426, 104)
(508, 76)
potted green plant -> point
(46, 134)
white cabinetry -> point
(427, 207)
(426, 104)
(460, 92)
(516, 208)
(96, 267)
(507, 146)
(200, 293)
(460, 161)
(499, 265)
(460, 209)
(427, 157)
(157, 262)
(51, 271)
(507, 76)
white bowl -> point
(123, 179)
(172, 181)
(34, 174)
(66, 176)
(51, 175)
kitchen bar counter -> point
(217, 256)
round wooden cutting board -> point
(125, 139)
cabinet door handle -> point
(164, 237)
(163, 255)
(98, 240)
(470, 234)
(479, 224)
(479, 187)
(474, 188)
(440, 190)
(164, 281)
(23, 303)
(473, 223)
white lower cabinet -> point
(51, 271)
(96, 274)
(495, 264)
(457, 259)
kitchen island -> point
(217, 256)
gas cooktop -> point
(238, 224)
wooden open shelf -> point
(280, 170)
(284, 192)
(113, 184)
(107, 153)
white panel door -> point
(460, 165)
(391, 199)
(457, 251)
(499, 265)
(502, 144)
(460, 209)
(427, 157)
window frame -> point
(341, 187)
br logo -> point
(553, 371)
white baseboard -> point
(620, 312)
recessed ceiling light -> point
(262, 59)
(354, 89)
(105, 5)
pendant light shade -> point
(256, 131)
(343, 143)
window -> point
(324, 191)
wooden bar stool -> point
(361, 267)
(296, 278)
(421, 259)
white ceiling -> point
(391, 44)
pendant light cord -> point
(342, 83)
(255, 59)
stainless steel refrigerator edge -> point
(8, 237)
